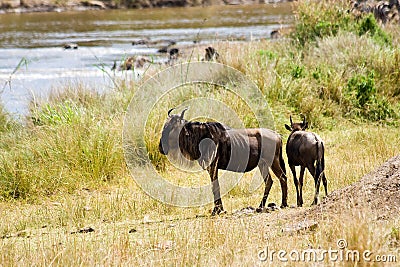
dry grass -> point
(133, 229)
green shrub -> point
(317, 19)
(362, 88)
(368, 25)
(364, 100)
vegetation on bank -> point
(63, 167)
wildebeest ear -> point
(305, 126)
(288, 127)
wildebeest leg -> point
(268, 184)
(296, 184)
(301, 182)
(325, 183)
(213, 171)
(276, 168)
(312, 170)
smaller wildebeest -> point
(305, 149)
(216, 146)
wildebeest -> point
(211, 54)
(275, 34)
(305, 149)
(173, 56)
(216, 146)
(135, 62)
(383, 11)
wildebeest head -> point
(298, 126)
(170, 134)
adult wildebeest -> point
(216, 146)
(304, 149)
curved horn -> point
(183, 112)
(169, 112)
(304, 118)
(291, 122)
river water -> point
(33, 60)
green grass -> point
(63, 168)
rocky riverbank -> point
(22, 6)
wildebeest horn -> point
(183, 113)
(169, 111)
(304, 118)
(291, 122)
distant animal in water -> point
(132, 62)
(216, 146)
(305, 149)
(211, 54)
(173, 53)
(163, 49)
(275, 34)
(70, 46)
(141, 41)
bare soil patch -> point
(378, 192)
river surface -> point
(33, 60)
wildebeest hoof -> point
(261, 210)
(284, 205)
(218, 211)
(272, 206)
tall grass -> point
(70, 142)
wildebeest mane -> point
(194, 132)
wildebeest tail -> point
(323, 156)
(281, 161)
(321, 160)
